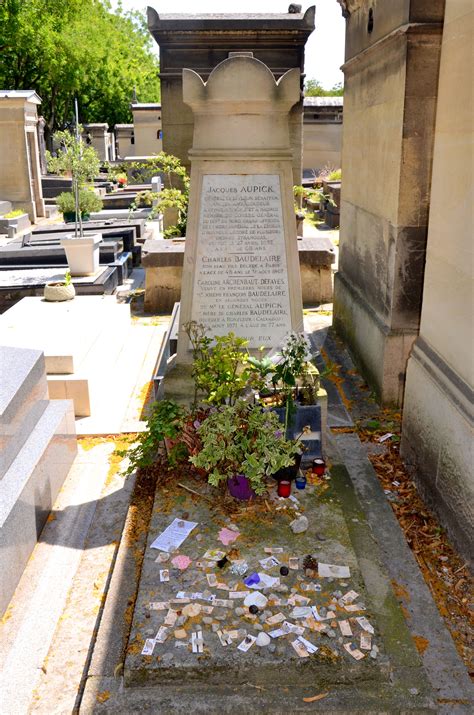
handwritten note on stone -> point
(241, 280)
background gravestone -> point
(241, 269)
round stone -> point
(191, 610)
(284, 570)
(257, 627)
(253, 608)
(239, 611)
(263, 639)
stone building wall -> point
(391, 83)
(438, 409)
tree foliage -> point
(82, 48)
(313, 88)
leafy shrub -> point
(89, 201)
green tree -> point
(82, 48)
(313, 88)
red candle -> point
(319, 466)
(284, 488)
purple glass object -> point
(239, 487)
(252, 579)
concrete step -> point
(23, 391)
(29, 487)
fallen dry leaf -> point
(103, 696)
(316, 697)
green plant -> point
(335, 175)
(291, 365)
(89, 201)
(175, 193)
(221, 370)
(73, 158)
(15, 213)
(164, 422)
(243, 439)
(67, 278)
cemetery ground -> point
(91, 594)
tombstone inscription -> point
(241, 269)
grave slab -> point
(337, 534)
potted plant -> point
(122, 180)
(242, 445)
(89, 202)
(60, 290)
(82, 164)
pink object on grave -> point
(181, 562)
(227, 536)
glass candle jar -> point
(284, 488)
(318, 467)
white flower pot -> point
(82, 254)
(56, 292)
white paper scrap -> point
(269, 562)
(365, 641)
(345, 628)
(246, 643)
(349, 597)
(174, 535)
(211, 579)
(224, 638)
(333, 571)
(277, 618)
(309, 646)
(353, 651)
(266, 580)
(238, 594)
(364, 623)
(214, 555)
(273, 549)
(149, 646)
(278, 633)
(164, 575)
(301, 612)
(158, 605)
(162, 634)
(386, 436)
(171, 618)
(292, 628)
(300, 649)
(197, 642)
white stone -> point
(256, 599)
(263, 639)
(299, 525)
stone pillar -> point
(20, 172)
(438, 410)
(390, 90)
(200, 42)
(241, 268)
(42, 145)
(96, 135)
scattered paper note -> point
(386, 436)
(364, 623)
(171, 618)
(197, 642)
(164, 575)
(345, 628)
(294, 563)
(211, 579)
(292, 628)
(300, 649)
(353, 651)
(224, 638)
(214, 555)
(277, 618)
(333, 571)
(246, 643)
(149, 646)
(269, 562)
(310, 647)
(365, 641)
(273, 549)
(162, 634)
(181, 562)
(158, 605)
(228, 536)
(264, 581)
(349, 596)
(174, 535)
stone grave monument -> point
(241, 269)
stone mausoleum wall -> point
(438, 409)
(391, 83)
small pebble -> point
(220, 618)
(207, 620)
(198, 537)
(242, 632)
(263, 639)
(258, 627)
(414, 691)
(215, 627)
(272, 647)
(166, 657)
(150, 631)
(284, 570)
(320, 537)
(239, 611)
(181, 620)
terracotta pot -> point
(56, 292)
